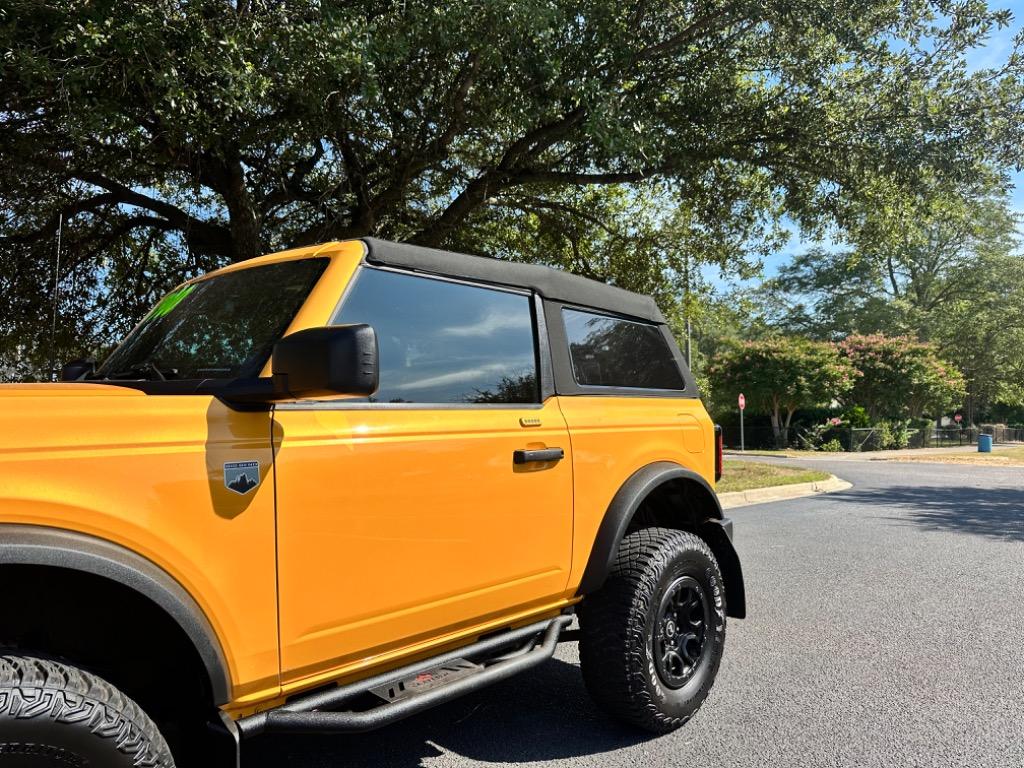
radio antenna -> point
(56, 299)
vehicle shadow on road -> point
(996, 513)
(535, 717)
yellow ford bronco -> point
(323, 490)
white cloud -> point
(455, 377)
(492, 323)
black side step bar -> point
(303, 715)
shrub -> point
(900, 435)
(813, 438)
(856, 416)
(886, 436)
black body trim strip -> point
(39, 545)
(625, 505)
(545, 368)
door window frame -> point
(541, 350)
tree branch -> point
(208, 237)
(681, 38)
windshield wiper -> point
(145, 371)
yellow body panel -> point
(395, 532)
(613, 437)
(147, 473)
(399, 524)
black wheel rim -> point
(680, 631)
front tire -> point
(56, 716)
(652, 637)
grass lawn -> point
(745, 475)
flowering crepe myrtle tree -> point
(781, 374)
(900, 376)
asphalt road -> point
(886, 629)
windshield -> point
(220, 328)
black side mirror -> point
(318, 362)
(321, 362)
(76, 370)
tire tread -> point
(613, 636)
(34, 688)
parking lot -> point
(886, 628)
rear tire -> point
(56, 716)
(652, 637)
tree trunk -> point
(777, 426)
(244, 223)
(785, 428)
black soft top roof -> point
(550, 283)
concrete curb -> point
(782, 492)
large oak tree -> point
(198, 131)
(242, 126)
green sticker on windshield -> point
(170, 301)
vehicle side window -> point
(612, 352)
(445, 342)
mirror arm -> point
(251, 394)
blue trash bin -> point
(984, 443)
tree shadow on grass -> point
(996, 513)
(541, 715)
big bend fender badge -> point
(242, 476)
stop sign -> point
(743, 401)
(958, 418)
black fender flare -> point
(710, 524)
(69, 550)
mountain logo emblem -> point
(242, 476)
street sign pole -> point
(743, 405)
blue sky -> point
(995, 52)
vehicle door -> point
(405, 516)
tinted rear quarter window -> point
(445, 342)
(613, 352)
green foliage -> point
(831, 446)
(856, 416)
(953, 275)
(900, 377)
(639, 239)
(781, 374)
(900, 435)
(613, 139)
(884, 436)
(97, 304)
(878, 439)
(813, 438)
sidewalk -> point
(864, 455)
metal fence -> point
(860, 439)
